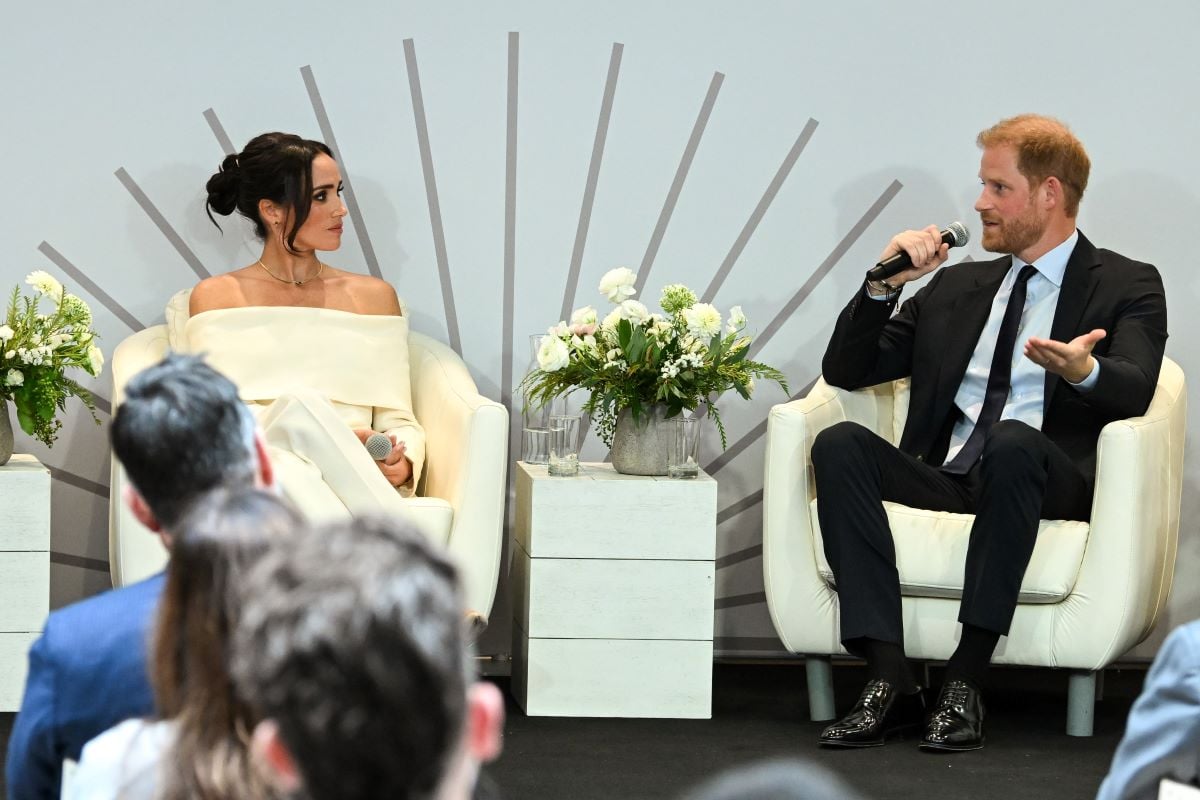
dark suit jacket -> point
(933, 335)
(87, 672)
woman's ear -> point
(271, 214)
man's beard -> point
(1016, 234)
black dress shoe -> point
(881, 710)
(957, 720)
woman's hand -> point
(397, 467)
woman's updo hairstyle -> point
(273, 166)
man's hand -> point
(397, 467)
(926, 249)
(1072, 360)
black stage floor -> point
(760, 711)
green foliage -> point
(37, 348)
(633, 360)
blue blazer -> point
(87, 672)
(1162, 735)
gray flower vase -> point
(640, 448)
(6, 434)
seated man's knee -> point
(837, 440)
(1012, 439)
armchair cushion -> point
(931, 554)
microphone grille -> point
(379, 446)
(960, 233)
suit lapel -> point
(965, 324)
(1073, 297)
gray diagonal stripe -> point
(431, 194)
(219, 131)
(760, 210)
(685, 164)
(161, 223)
(507, 313)
(749, 501)
(741, 600)
(90, 286)
(593, 177)
(102, 403)
(738, 557)
(70, 560)
(360, 225)
(828, 264)
(752, 436)
(71, 479)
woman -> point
(200, 747)
(321, 354)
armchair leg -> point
(1081, 699)
(819, 670)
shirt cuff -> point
(1089, 383)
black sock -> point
(886, 661)
(973, 655)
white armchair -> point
(466, 458)
(1092, 589)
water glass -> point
(682, 443)
(564, 445)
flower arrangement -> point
(35, 350)
(633, 359)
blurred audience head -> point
(181, 432)
(784, 779)
(218, 541)
(353, 649)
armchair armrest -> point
(466, 461)
(1129, 562)
(134, 552)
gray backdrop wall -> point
(763, 152)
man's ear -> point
(266, 470)
(485, 722)
(140, 510)
(1052, 192)
(267, 746)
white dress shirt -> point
(1027, 392)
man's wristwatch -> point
(881, 287)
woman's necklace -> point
(289, 280)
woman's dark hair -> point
(219, 540)
(273, 166)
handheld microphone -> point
(955, 234)
(379, 446)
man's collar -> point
(1053, 265)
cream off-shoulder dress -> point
(312, 375)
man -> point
(1015, 364)
(1162, 736)
(180, 433)
(352, 647)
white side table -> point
(24, 569)
(613, 594)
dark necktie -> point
(999, 379)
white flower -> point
(583, 321)
(560, 330)
(45, 283)
(6, 333)
(750, 386)
(80, 309)
(95, 360)
(610, 322)
(737, 320)
(617, 284)
(14, 378)
(583, 316)
(703, 320)
(10, 354)
(553, 354)
(634, 311)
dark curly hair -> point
(273, 166)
